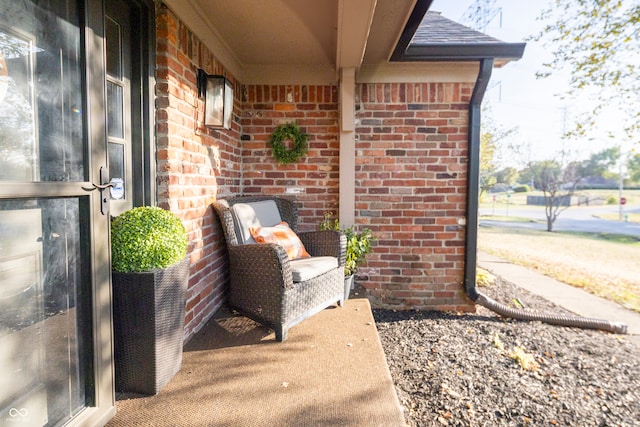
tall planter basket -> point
(149, 310)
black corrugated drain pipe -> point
(473, 186)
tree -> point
(491, 146)
(487, 164)
(597, 41)
(527, 175)
(558, 185)
(601, 163)
(633, 166)
(508, 175)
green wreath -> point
(280, 152)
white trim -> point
(347, 147)
(347, 99)
(289, 74)
(424, 72)
(354, 24)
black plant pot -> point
(148, 312)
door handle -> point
(98, 187)
(104, 199)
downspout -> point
(473, 178)
(470, 259)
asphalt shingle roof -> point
(438, 38)
(437, 29)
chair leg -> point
(281, 333)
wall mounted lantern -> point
(218, 99)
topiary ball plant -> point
(147, 238)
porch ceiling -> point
(290, 41)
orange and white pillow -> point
(282, 235)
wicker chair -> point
(265, 285)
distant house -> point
(597, 182)
(101, 112)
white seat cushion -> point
(307, 268)
(254, 215)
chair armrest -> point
(325, 243)
(261, 265)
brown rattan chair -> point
(265, 284)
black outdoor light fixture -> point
(218, 99)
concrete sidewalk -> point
(573, 299)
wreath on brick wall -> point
(281, 152)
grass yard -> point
(631, 217)
(520, 199)
(604, 265)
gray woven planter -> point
(148, 311)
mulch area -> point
(480, 369)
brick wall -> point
(313, 180)
(411, 154)
(411, 162)
(195, 164)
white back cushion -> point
(255, 214)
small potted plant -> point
(150, 272)
(358, 246)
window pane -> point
(44, 301)
(116, 166)
(115, 122)
(40, 93)
(114, 48)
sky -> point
(518, 99)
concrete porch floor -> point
(331, 371)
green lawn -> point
(605, 265)
(520, 199)
(630, 217)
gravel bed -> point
(483, 370)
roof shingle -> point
(437, 29)
(438, 38)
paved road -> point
(576, 218)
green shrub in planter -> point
(358, 243)
(147, 238)
(149, 281)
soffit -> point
(310, 41)
(283, 41)
(264, 32)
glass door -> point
(55, 324)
